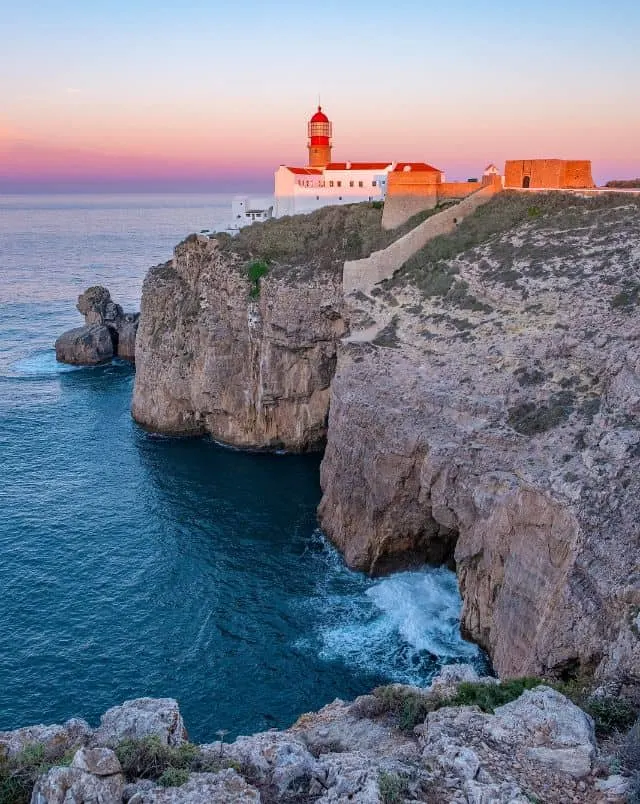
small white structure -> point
(245, 211)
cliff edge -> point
(238, 336)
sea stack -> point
(107, 332)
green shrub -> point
(149, 757)
(410, 708)
(393, 788)
(530, 418)
(174, 777)
(256, 271)
(610, 714)
(489, 696)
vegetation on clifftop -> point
(431, 271)
(323, 239)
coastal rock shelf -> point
(398, 744)
(108, 331)
(483, 413)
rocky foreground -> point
(400, 744)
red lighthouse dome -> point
(319, 145)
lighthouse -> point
(319, 144)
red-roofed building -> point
(324, 182)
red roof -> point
(319, 116)
(300, 171)
(357, 165)
(420, 166)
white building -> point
(304, 189)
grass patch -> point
(19, 774)
(321, 240)
(410, 708)
(490, 696)
(499, 215)
(174, 777)
(149, 757)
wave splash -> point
(401, 628)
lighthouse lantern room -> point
(319, 145)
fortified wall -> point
(548, 174)
(365, 273)
(413, 191)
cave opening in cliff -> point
(433, 545)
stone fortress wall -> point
(548, 174)
(411, 192)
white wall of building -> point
(297, 193)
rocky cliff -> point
(485, 410)
(238, 336)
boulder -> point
(85, 346)
(97, 307)
(56, 739)
(554, 731)
(75, 786)
(141, 717)
(99, 761)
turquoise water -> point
(132, 564)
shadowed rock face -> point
(505, 411)
(108, 331)
(250, 371)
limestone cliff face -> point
(487, 409)
(252, 372)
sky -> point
(150, 95)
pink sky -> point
(113, 93)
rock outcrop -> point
(537, 747)
(108, 331)
(487, 410)
(251, 370)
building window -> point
(351, 184)
(373, 183)
(360, 184)
(330, 184)
(339, 184)
(339, 198)
(317, 198)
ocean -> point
(133, 564)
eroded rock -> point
(108, 331)
(253, 371)
(56, 739)
(140, 718)
(85, 346)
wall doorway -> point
(526, 182)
